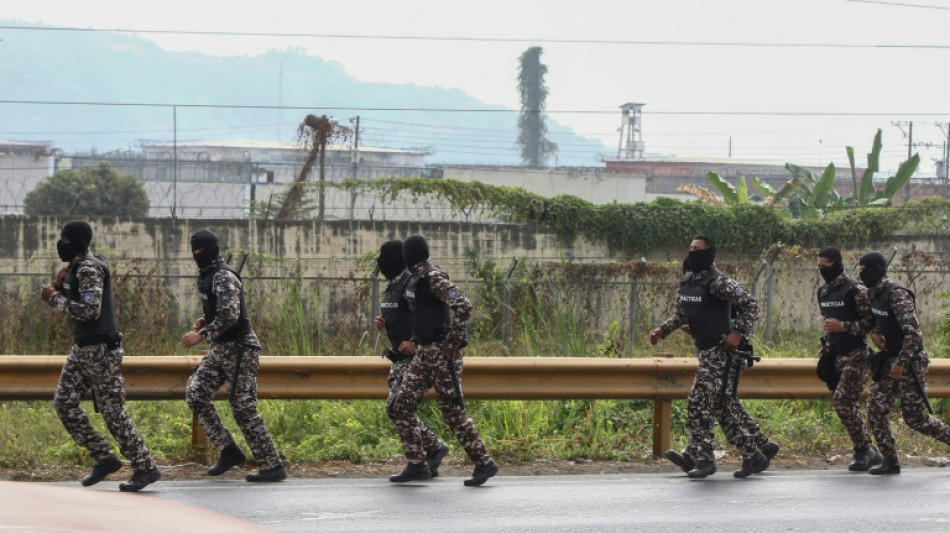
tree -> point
(100, 190)
(315, 133)
(535, 147)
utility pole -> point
(946, 158)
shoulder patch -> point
(225, 298)
(455, 293)
(88, 297)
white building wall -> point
(22, 166)
(593, 185)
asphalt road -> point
(808, 501)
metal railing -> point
(662, 380)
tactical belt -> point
(112, 340)
(234, 333)
(395, 356)
(847, 346)
(705, 345)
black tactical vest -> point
(886, 319)
(430, 315)
(709, 316)
(395, 310)
(838, 302)
(209, 303)
(106, 323)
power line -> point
(471, 110)
(447, 38)
(900, 4)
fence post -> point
(632, 327)
(770, 290)
(662, 426)
(506, 306)
(754, 289)
(890, 255)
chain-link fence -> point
(538, 310)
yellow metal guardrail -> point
(485, 378)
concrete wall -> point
(28, 244)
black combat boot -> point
(482, 473)
(864, 458)
(230, 457)
(140, 480)
(770, 450)
(412, 472)
(434, 458)
(278, 473)
(890, 466)
(752, 465)
(101, 469)
(703, 469)
(683, 460)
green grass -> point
(310, 431)
(300, 317)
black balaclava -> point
(79, 234)
(702, 260)
(207, 241)
(390, 259)
(687, 264)
(875, 268)
(414, 250)
(832, 272)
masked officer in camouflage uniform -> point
(705, 304)
(396, 319)
(84, 293)
(234, 358)
(903, 371)
(744, 427)
(846, 308)
(436, 361)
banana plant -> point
(863, 193)
(816, 195)
(730, 194)
(740, 193)
(773, 197)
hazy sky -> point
(898, 70)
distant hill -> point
(123, 69)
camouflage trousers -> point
(430, 368)
(708, 403)
(913, 409)
(854, 370)
(216, 369)
(97, 368)
(430, 440)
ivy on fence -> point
(638, 228)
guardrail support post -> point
(662, 426)
(200, 447)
